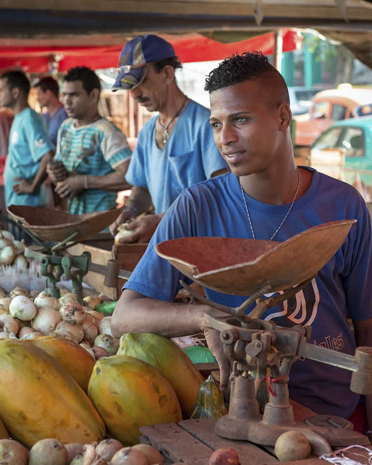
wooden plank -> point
(249, 454)
(176, 444)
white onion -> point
(7, 255)
(105, 326)
(108, 343)
(68, 298)
(25, 330)
(64, 334)
(18, 291)
(90, 330)
(5, 335)
(19, 246)
(20, 262)
(46, 320)
(2, 292)
(72, 312)
(33, 294)
(5, 301)
(7, 234)
(86, 346)
(32, 335)
(23, 308)
(45, 299)
(4, 242)
(8, 324)
(97, 316)
(76, 330)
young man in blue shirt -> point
(30, 149)
(47, 91)
(266, 196)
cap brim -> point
(131, 80)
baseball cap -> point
(135, 57)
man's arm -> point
(363, 337)
(30, 187)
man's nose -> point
(228, 135)
(135, 93)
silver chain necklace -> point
(286, 216)
(166, 126)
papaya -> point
(74, 359)
(171, 362)
(3, 432)
(210, 402)
(39, 399)
(129, 393)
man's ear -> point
(169, 74)
(285, 116)
(94, 95)
(15, 93)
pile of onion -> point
(12, 251)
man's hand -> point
(125, 215)
(23, 187)
(143, 229)
(215, 345)
(56, 171)
(70, 187)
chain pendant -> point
(165, 136)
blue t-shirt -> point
(28, 143)
(189, 156)
(54, 122)
(95, 150)
(216, 208)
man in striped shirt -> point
(92, 153)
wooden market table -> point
(192, 442)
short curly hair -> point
(249, 66)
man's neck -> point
(19, 106)
(89, 119)
(54, 106)
(172, 105)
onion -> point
(8, 324)
(105, 326)
(99, 352)
(5, 242)
(2, 292)
(97, 316)
(5, 301)
(25, 330)
(153, 455)
(12, 452)
(129, 456)
(45, 299)
(33, 294)
(20, 262)
(46, 320)
(19, 246)
(108, 342)
(7, 255)
(72, 312)
(64, 334)
(76, 330)
(5, 335)
(92, 301)
(18, 291)
(87, 347)
(32, 335)
(73, 450)
(23, 308)
(90, 331)
(3, 310)
(108, 448)
(68, 298)
(48, 451)
(7, 234)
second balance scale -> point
(259, 349)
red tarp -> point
(189, 48)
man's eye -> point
(240, 120)
(215, 125)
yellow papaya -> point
(74, 359)
(129, 393)
(3, 432)
(171, 362)
(39, 399)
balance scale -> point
(258, 349)
(54, 231)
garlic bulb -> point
(23, 308)
(76, 330)
(45, 299)
(46, 320)
(105, 326)
(108, 343)
(72, 312)
(8, 324)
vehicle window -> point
(338, 112)
(352, 141)
(321, 110)
(305, 95)
(328, 139)
(364, 110)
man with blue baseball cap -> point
(175, 149)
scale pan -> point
(56, 225)
(244, 266)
